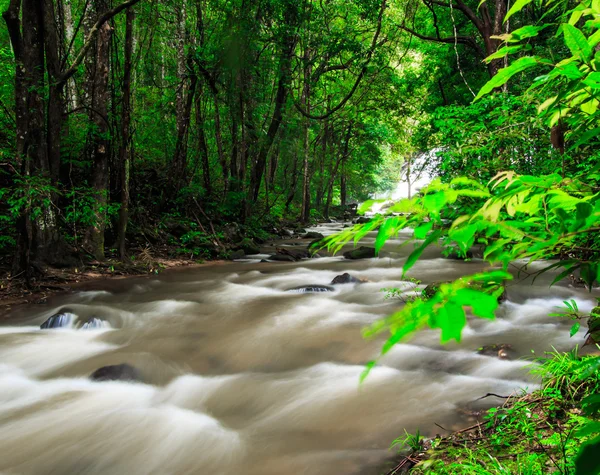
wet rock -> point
(432, 289)
(345, 279)
(313, 235)
(363, 252)
(362, 220)
(239, 254)
(295, 254)
(311, 289)
(62, 319)
(119, 372)
(503, 351)
(281, 257)
(248, 246)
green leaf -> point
(482, 304)
(576, 42)
(368, 367)
(587, 461)
(505, 74)
(388, 229)
(434, 202)
(451, 320)
(422, 230)
(364, 229)
(367, 205)
(574, 329)
(586, 137)
(588, 271)
(516, 7)
(504, 51)
(414, 256)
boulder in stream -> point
(363, 252)
(62, 319)
(239, 254)
(118, 372)
(313, 235)
(248, 246)
(362, 220)
(281, 258)
(303, 289)
(346, 278)
(502, 350)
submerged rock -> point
(345, 279)
(119, 372)
(502, 351)
(282, 258)
(313, 235)
(362, 252)
(62, 319)
(311, 289)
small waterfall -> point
(60, 320)
(311, 289)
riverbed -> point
(241, 376)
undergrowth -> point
(531, 434)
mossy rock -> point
(248, 246)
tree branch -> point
(470, 14)
(464, 40)
(65, 76)
(374, 44)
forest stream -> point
(239, 375)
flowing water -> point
(242, 377)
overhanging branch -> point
(65, 76)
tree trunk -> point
(125, 149)
(285, 64)
(305, 212)
(203, 147)
(100, 141)
(182, 100)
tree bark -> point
(125, 149)
(99, 140)
(305, 212)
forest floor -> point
(15, 291)
(166, 252)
